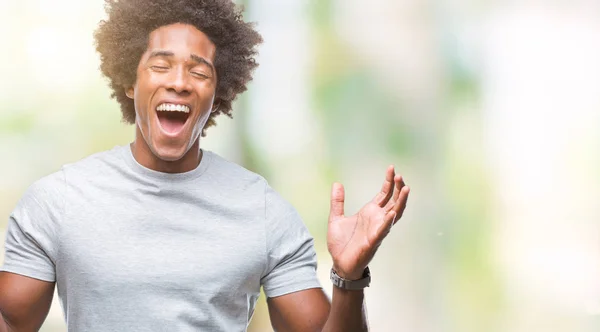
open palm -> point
(353, 240)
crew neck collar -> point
(162, 176)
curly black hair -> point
(122, 39)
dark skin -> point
(177, 68)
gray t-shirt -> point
(132, 249)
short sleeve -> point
(30, 243)
(291, 257)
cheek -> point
(207, 92)
(142, 95)
(201, 121)
(206, 96)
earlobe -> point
(215, 107)
(129, 92)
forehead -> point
(182, 40)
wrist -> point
(349, 275)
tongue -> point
(172, 122)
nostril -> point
(179, 92)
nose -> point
(179, 81)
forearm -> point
(348, 312)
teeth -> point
(173, 108)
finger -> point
(393, 215)
(400, 205)
(387, 188)
(386, 226)
(399, 184)
(337, 201)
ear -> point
(216, 105)
(129, 92)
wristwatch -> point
(351, 284)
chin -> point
(170, 152)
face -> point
(174, 91)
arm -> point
(348, 311)
(303, 311)
(352, 242)
(24, 302)
(310, 310)
(28, 275)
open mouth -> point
(172, 117)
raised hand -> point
(353, 240)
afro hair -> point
(122, 38)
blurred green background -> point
(490, 109)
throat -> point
(144, 156)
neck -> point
(145, 157)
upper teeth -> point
(173, 108)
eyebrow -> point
(194, 57)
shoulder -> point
(233, 176)
(96, 163)
(42, 203)
(236, 179)
(48, 189)
(227, 168)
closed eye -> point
(200, 75)
(159, 68)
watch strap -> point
(340, 282)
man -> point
(160, 235)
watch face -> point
(367, 272)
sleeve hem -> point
(283, 290)
(28, 272)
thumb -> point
(337, 201)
